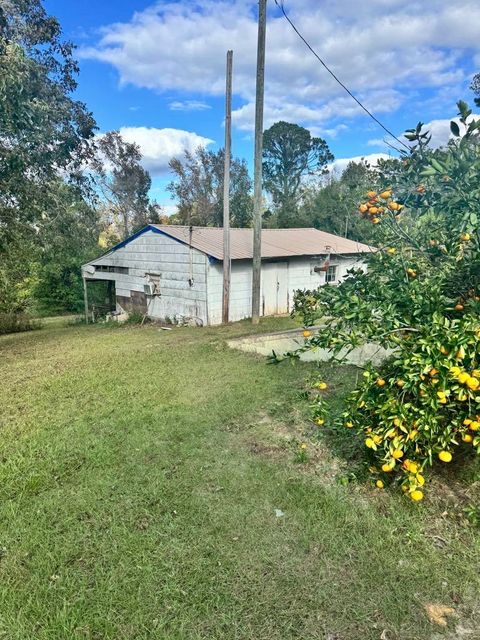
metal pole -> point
(226, 189)
(85, 298)
(257, 189)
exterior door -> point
(274, 288)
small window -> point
(111, 269)
(331, 274)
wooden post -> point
(257, 189)
(226, 190)
(85, 298)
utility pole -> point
(226, 190)
(85, 297)
(257, 188)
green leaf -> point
(454, 128)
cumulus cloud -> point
(159, 146)
(384, 50)
(439, 130)
(338, 166)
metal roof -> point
(276, 243)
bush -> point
(15, 322)
(420, 296)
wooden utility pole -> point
(257, 188)
(85, 298)
(226, 190)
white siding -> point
(240, 291)
(299, 275)
(175, 262)
(302, 276)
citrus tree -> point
(420, 296)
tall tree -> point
(44, 131)
(198, 189)
(124, 185)
(290, 153)
(44, 134)
(69, 239)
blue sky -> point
(155, 70)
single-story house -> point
(175, 272)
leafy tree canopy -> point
(420, 297)
(124, 185)
(198, 189)
(45, 132)
(290, 153)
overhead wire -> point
(335, 77)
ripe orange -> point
(416, 495)
(445, 456)
(385, 194)
(459, 307)
(393, 206)
(307, 333)
(381, 382)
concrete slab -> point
(285, 341)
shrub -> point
(420, 297)
(15, 322)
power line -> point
(282, 9)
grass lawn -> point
(140, 473)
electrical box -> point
(149, 289)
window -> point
(111, 269)
(331, 274)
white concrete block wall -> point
(300, 275)
(158, 254)
(240, 291)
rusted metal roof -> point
(276, 243)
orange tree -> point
(421, 297)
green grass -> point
(140, 473)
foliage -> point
(68, 240)
(198, 189)
(124, 185)
(44, 130)
(17, 273)
(420, 297)
(332, 206)
(475, 87)
(16, 322)
(290, 153)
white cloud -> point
(339, 165)
(439, 130)
(188, 105)
(384, 50)
(159, 146)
